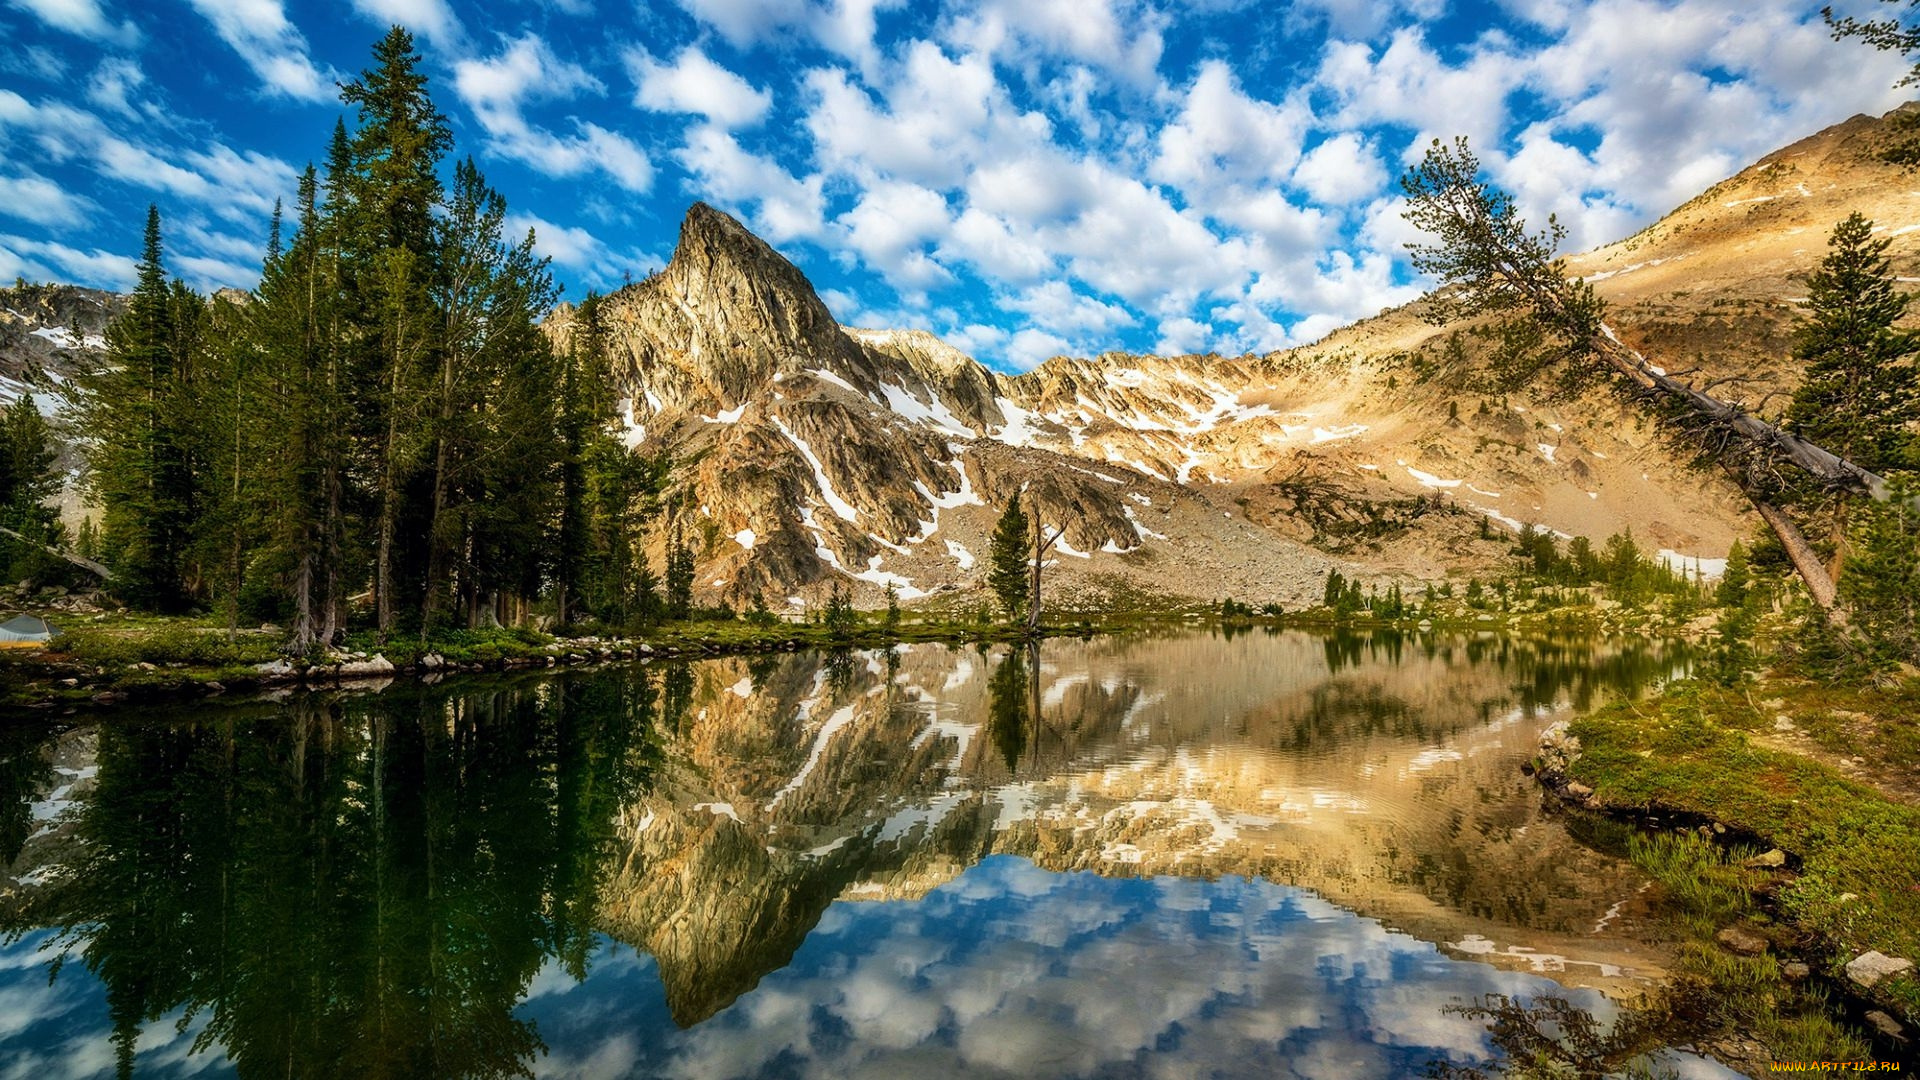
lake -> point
(1263, 854)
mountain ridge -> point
(810, 453)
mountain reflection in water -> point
(1121, 857)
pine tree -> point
(28, 480)
(1884, 590)
(1861, 389)
(492, 422)
(1008, 574)
(583, 400)
(138, 465)
(394, 187)
(679, 598)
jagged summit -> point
(726, 315)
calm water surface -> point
(1268, 855)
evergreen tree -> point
(1733, 651)
(679, 598)
(27, 481)
(1008, 572)
(1861, 390)
(1884, 590)
(138, 467)
(839, 617)
(394, 186)
(1335, 589)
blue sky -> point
(1023, 177)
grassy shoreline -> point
(135, 659)
(1716, 807)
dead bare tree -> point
(1041, 545)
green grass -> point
(1745, 994)
(1688, 752)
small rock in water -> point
(1776, 857)
(1869, 968)
(1744, 942)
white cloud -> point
(1340, 170)
(693, 83)
(36, 61)
(83, 18)
(46, 260)
(238, 186)
(746, 22)
(1029, 348)
(1003, 253)
(258, 30)
(1410, 84)
(112, 81)
(1362, 19)
(891, 226)
(1121, 37)
(41, 201)
(1057, 307)
(784, 208)
(247, 184)
(1182, 336)
(208, 274)
(576, 249)
(430, 17)
(1224, 135)
(498, 88)
(843, 27)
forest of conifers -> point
(382, 422)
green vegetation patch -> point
(1689, 752)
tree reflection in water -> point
(351, 886)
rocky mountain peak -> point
(726, 315)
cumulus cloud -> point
(1340, 170)
(1222, 134)
(891, 226)
(498, 88)
(781, 207)
(693, 83)
(1121, 37)
(844, 27)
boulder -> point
(275, 669)
(1869, 968)
(360, 669)
(1767, 860)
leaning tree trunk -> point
(1818, 462)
